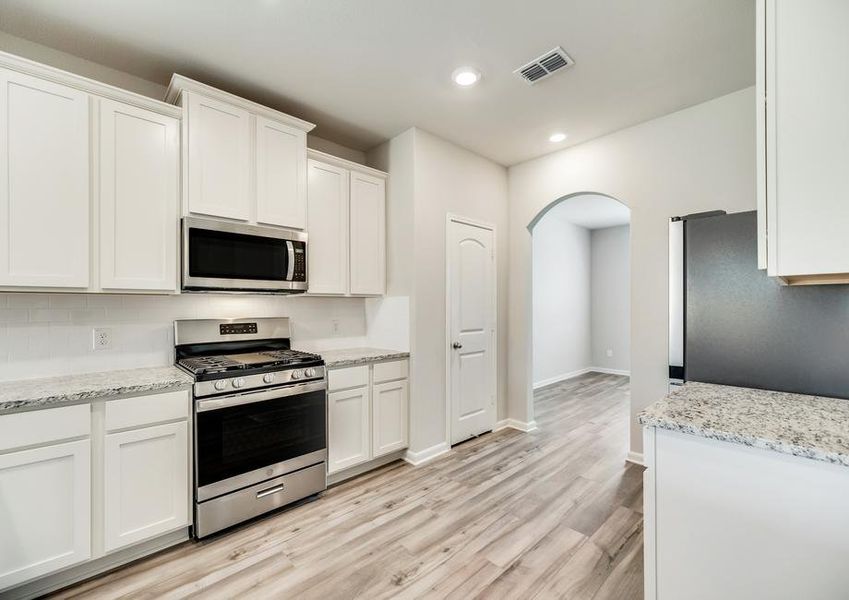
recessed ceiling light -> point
(556, 137)
(466, 76)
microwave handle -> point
(290, 264)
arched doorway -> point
(580, 300)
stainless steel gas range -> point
(260, 418)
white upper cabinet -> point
(139, 198)
(803, 128)
(89, 184)
(368, 234)
(327, 250)
(44, 183)
(244, 161)
(281, 174)
(346, 206)
(219, 161)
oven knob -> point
(268, 377)
(237, 383)
(310, 372)
(296, 374)
(220, 384)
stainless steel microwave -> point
(233, 257)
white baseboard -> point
(515, 424)
(609, 371)
(428, 454)
(636, 458)
(561, 377)
(579, 372)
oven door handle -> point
(251, 397)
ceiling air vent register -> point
(545, 66)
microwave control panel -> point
(299, 273)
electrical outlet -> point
(334, 327)
(609, 353)
(101, 338)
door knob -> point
(456, 345)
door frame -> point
(455, 218)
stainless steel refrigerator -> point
(729, 323)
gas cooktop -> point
(200, 366)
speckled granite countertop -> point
(808, 426)
(29, 394)
(350, 357)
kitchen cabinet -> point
(281, 171)
(81, 483)
(46, 493)
(349, 428)
(242, 161)
(802, 127)
(327, 253)
(139, 198)
(725, 520)
(44, 183)
(368, 234)
(389, 419)
(347, 227)
(146, 479)
(218, 169)
(89, 184)
(368, 408)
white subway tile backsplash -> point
(28, 301)
(49, 315)
(51, 334)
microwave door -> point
(235, 257)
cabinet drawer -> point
(388, 371)
(146, 410)
(44, 426)
(340, 379)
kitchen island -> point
(746, 495)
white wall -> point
(430, 179)
(697, 159)
(561, 297)
(610, 293)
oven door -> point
(219, 255)
(245, 439)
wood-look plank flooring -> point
(555, 513)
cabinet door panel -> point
(46, 510)
(139, 162)
(146, 483)
(44, 183)
(281, 170)
(349, 439)
(389, 423)
(328, 228)
(807, 129)
(219, 167)
(368, 234)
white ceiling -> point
(367, 70)
(592, 211)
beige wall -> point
(431, 178)
(697, 159)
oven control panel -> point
(237, 328)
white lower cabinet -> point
(367, 413)
(45, 510)
(146, 477)
(49, 519)
(349, 442)
(389, 417)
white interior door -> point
(471, 328)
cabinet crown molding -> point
(180, 83)
(84, 84)
(345, 164)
